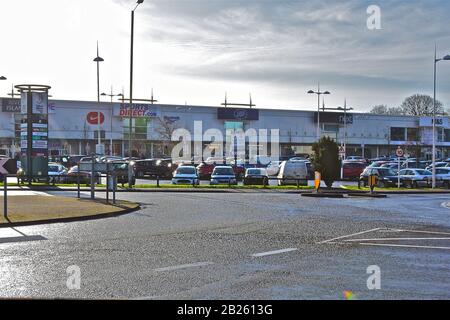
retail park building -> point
(73, 128)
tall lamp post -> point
(130, 149)
(319, 93)
(436, 60)
(345, 109)
(111, 95)
(98, 59)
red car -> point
(205, 169)
(352, 170)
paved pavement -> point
(238, 246)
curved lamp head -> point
(326, 92)
(447, 57)
(2, 78)
(103, 94)
(310, 92)
(98, 59)
(139, 1)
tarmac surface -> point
(237, 246)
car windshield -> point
(424, 172)
(186, 170)
(254, 171)
(223, 171)
(386, 172)
(53, 169)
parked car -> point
(386, 177)
(443, 176)
(438, 165)
(414, 164)
(204, 170)
(293, 172)
(273, 168)
(414, 178)
(378, 164)
(85, 176)
(352, 170)
(110, 159)
(391, 165)
(256, 177)
(356, 158)
(57, 173)
(74, 160)
(185, 175)
(223, 175)
(120, 169)
(162, 168)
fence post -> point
(92, 178)
(157, 181)
(114, 187)
(78, 182)
(5, 197)
(107, 182)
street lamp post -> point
(436, 60)
(345, 109)
(130, 149)
(98, 59)
(319, 93)
(111, 95)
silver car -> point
(415, 178)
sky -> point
(193, 51)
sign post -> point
(399, 153)
(34, 130)
(342, 156)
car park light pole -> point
(433, 162)
(111, 95)
(319, 93)
(98, 59)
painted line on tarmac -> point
(395, 239)
(403, 246)
(271, 253)
(419, 231)
(184, 266)
(348, 236)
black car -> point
(386, 177)
(162, 168)
(256, 177)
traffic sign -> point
(399, 152)
(8, 166)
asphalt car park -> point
(238, 246)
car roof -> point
(222, 167)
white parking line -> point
(403, 246)
(395, 239)
(426, 232)
(348, 236)
(184, 266)
(270, 253)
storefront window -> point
(233, 125)
(139, 128)
(413, 134)
(398, 134)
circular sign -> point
(92, 118)
(399, 152)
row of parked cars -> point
(413, 173)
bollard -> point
(157, 181)
(298, 184)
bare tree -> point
(420, 105)
(165, 129)
(385, 110)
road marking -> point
(426, 232)
(403, 246)
(348, 236)
(184, 266)
(445, 205)
(21, 239)
(270, 253)
(395, 239)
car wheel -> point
(415, 185)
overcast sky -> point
(194, 50)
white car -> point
(438, 165)
(293, 172)
(273, 168)
(414, 178)
(185, 175)
(443, 176)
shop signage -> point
(237, 114)
(137, 111)
(11, 105)
(92, 118)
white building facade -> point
(74, 128)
